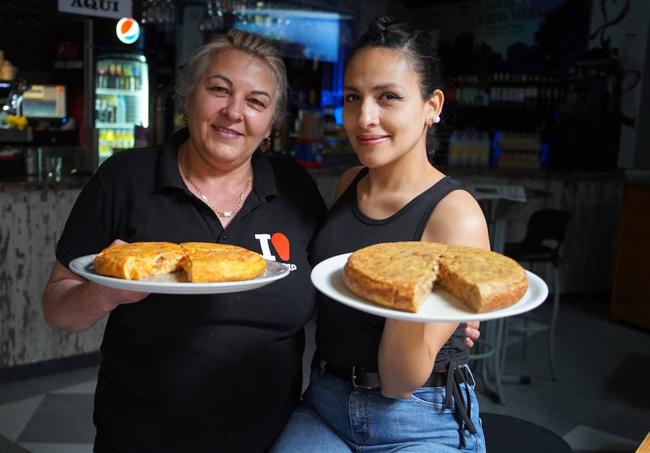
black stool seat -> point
(506, 434)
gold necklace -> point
(217, 211)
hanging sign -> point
(127, 30)
(98, 8)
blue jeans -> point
(336, 417)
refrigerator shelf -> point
(104, 125)
(117, 91)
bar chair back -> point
(545, 233)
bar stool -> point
(544, 236)
(495, 200)
(505, 434)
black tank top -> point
(348, 337)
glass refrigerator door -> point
(121, 101)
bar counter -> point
(33, 215)
(34, 212)
(27, 184)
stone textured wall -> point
(30, 225)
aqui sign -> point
(98, 8)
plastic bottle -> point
(98, 109)
(119, 80)
(487, 149)
(109, 138)
(128, 77)
(136, 76)
(121, 109)
(472, 147)
(101, 76)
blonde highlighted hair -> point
(192, 72)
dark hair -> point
(416, 46)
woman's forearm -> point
(407, 354)
(74, 306)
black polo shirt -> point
(198, 373)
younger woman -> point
(384, 384)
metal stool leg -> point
(524, 338)
(556, 306)
(490, 371)
(498, 358)
(504, 343)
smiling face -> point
(384, 114)
(231, 109)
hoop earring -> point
(185, 118)
(265, 145)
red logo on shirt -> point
(280, 243)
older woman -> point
(198, 373)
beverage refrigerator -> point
(121, 101)
(120, 91)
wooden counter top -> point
(28, 184)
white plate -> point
(170, 284)
(439, 306)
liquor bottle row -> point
(508, 90)
(111, 140)
(517, 150)
(123, 76)
(469, 148)
(110, 109)
(474, 148)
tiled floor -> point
(599, 404)
(49, 414)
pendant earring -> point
(185, 118)
(265, 145)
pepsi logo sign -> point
(127, 30)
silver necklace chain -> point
(220, 213)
